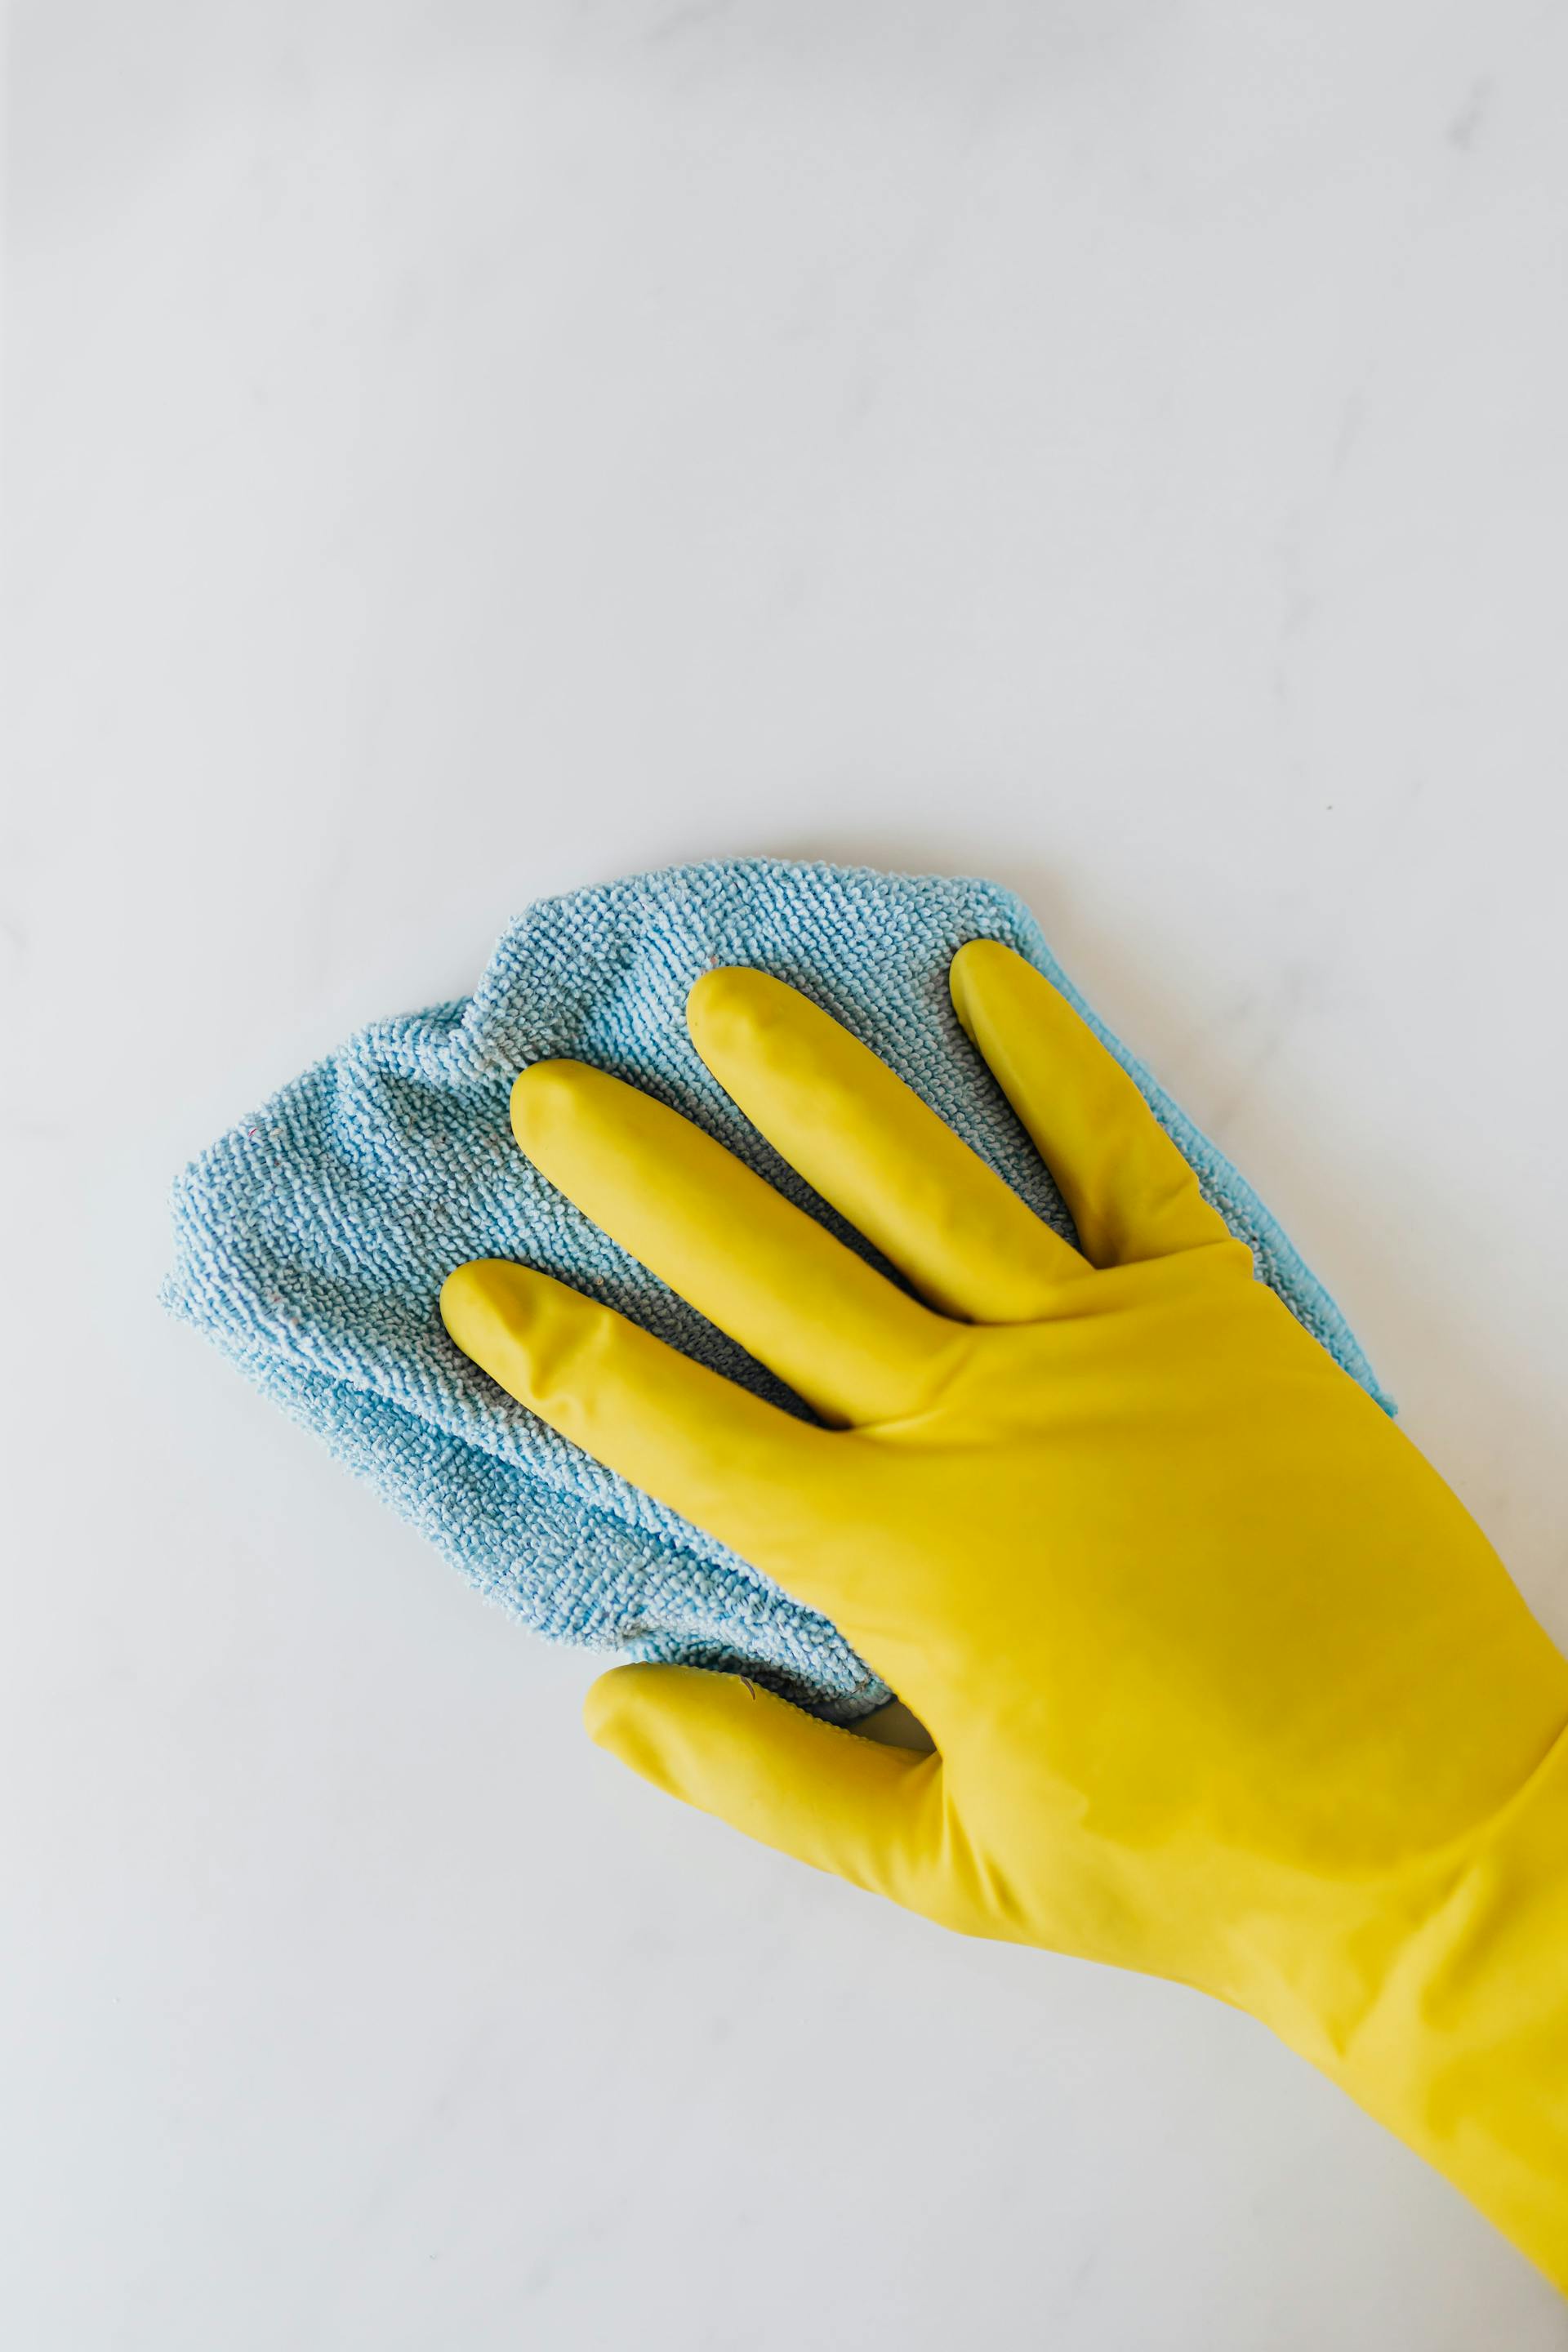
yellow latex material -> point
(1223, 1683)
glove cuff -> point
(1464, 2052)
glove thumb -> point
(866, 1811)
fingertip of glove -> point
(973, 962)
(466, 1299)
(730, 1003)
(543, 1097)
(609, 1701)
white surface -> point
(460, 451)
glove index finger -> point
(745, 1472)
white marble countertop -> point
(455, 452)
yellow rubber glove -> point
(1224, 1683)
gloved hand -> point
(1224, 1683)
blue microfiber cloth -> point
(313, 1239)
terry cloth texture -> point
(313, 1239)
